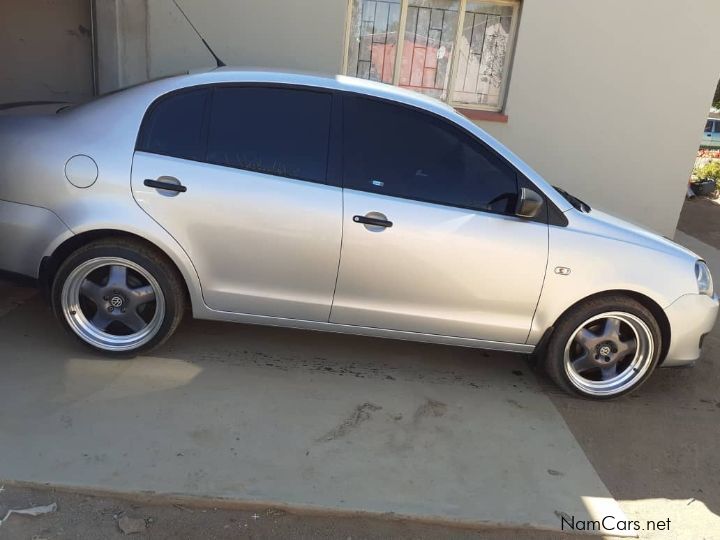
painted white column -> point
(121, 38)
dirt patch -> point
(85, 517)
(361, 413)
(430, 408)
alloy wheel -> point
(113, 303)
(609, 353)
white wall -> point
(607, 97)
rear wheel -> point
(118, 296)
(604, 348)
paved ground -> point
(656, 450)
(301, 418)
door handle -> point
(375, 221)
(169, 186)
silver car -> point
(337, 204)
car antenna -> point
(219, 62)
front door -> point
(255, 214)
(430, 244)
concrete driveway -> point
(305, 419)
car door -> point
(430, 241)
(255, 213)
(707, 139)
(716, 133)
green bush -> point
(709, 171)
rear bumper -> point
(27, 233)
(691, 317)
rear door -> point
(430, 244)
(255, 212)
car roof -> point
(307, 78)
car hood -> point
(603, 224)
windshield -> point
(577, 203)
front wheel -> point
(118, 296)
(604, 348)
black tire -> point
(149, 259)
(565, 328)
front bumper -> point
(691, 317)
(27, 233)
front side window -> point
(173, 126)
(458, 51)
(399, 151)
(278, 131)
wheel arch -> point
(655, 309)
(51, 263)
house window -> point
(458, 51)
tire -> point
(591, 351)
(118, 296)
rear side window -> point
(395, 150)
(173, 126)
(278, 131)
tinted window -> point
(717, 127)
(277, 131)
(173, 126)
(708, 126)
(395, 150)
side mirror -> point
(529, 203)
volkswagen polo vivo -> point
(337, 204)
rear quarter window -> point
(173, 126)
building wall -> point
(607, 98)
(269, 33)
(123, 55)
(46, 50)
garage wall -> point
(607, 97)
(45, 50)
(271, 33)
(122, 43)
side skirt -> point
(264, 320)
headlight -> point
(704, 279)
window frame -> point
(141, 141)
(507, 68)
(333, 169)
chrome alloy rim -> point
(113, 304)
(608, 353)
